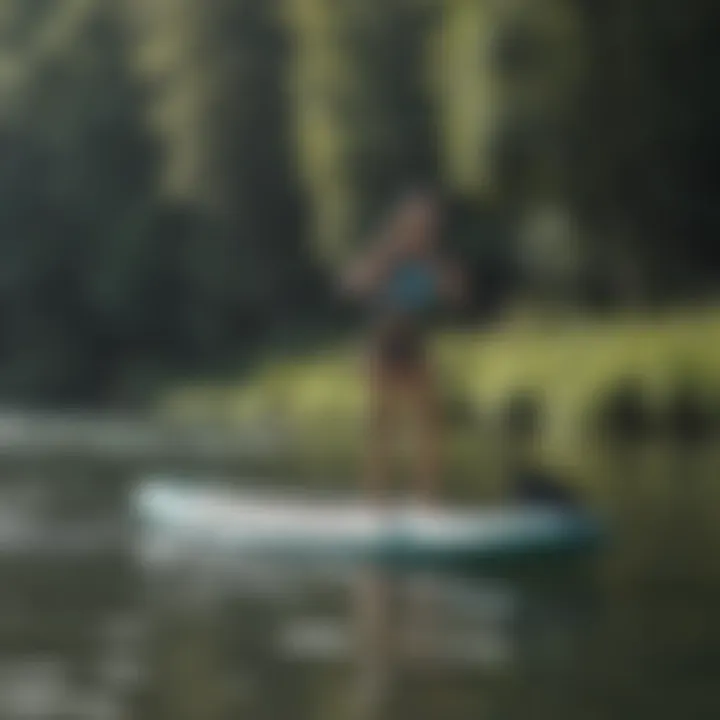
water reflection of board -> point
(200, 516)
(325, 640)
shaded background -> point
(180, 180)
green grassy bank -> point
(572, 369)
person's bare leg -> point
(377, 480)
(428, 428)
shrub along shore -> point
(624, 379)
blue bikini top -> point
(412, 288)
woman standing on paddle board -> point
(402, 280)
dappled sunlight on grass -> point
(570, 370)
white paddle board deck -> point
(246, 524)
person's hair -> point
(408, 193)
(417, 191)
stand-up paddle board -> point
(248, 524)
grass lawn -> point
(572, 368)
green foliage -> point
(180, 179)
(560, 384)
(365, 120)
(646, 135)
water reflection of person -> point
(403, 279)
(395, 622)
(375, 646)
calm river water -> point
(87, 633)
